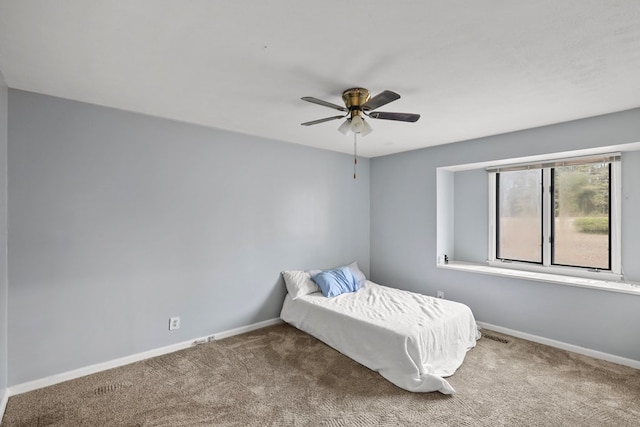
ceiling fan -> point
(359, 103)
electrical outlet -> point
(439, 294)
(174, 323)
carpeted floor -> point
(279, 376)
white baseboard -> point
(248, 328)
(4, 398)
(98, 367)
(564, 346)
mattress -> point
(412, 340)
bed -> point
(412, 340)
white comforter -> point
(412, 340)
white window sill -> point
(604, 285)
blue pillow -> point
(335, 282)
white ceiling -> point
(470, 68)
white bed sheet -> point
(412, 340)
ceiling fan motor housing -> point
(354, 98)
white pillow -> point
(299, 283)
(359, 275)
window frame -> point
(615, 186)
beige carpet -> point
(279, 376)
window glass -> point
(581, 222)
(519, 215)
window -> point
(519, 215)
(561, 216)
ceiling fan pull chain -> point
(355, 154)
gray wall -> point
(4, 305)
(471, 193)
(403, 237)
(118, 221)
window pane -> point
(581, 223)
(519, 209)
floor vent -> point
(110, 388)
(496, 338)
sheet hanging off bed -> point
(412, 340)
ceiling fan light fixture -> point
(345, 127)
(357, 124)
(366, 128)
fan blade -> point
(380, 99)
(327, 119)
(324, 103)
(402, 117)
